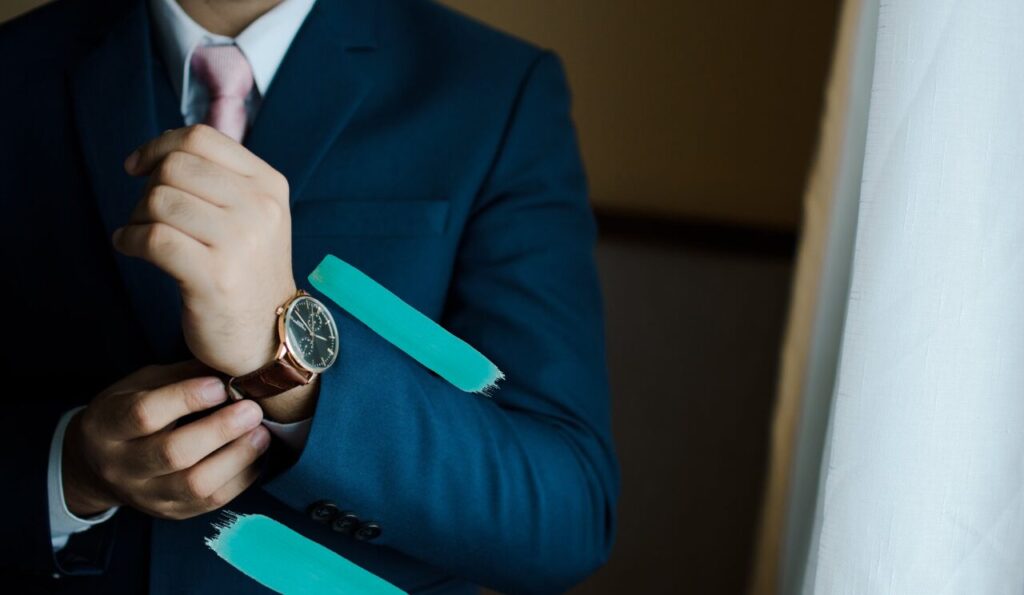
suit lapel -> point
(324, 77)
(115, 111)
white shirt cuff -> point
(294, 434)
(63, 523)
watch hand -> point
(302, 322)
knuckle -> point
(195, 136)
(139, 415)
(274, 211)
(192, 396)
(196, 486)
(89, 425)
(172, 166)
(154, 237)
(280, 183)
(170, 456)
(158, 238)
(217, 500)
(107, 472)
(226, 429)
(159, 200)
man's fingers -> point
(186, 509)
(200, 177)
(170, 249)
(148, 412)
(201, 482)
(235, 486)
(186, 445)
(201, 140)
(200, 219)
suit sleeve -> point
(517, 492)
(25, 545)
(26, 538)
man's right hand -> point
(126, 447)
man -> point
(172, 172)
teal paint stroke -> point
(405, 327)
(281, 559)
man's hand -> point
(126, 446)
(216, 218)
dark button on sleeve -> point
(323, 511)
(345, 523)
(368, 531)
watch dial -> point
(311, 334)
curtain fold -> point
(924, 467)
(921, 466)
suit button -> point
(368, 531)
(323, 511)
(345, 523)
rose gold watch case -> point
(291, 352)
(284, 351)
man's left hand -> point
(216, 218)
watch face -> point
(310, 334)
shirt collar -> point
(264, 42)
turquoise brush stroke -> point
(281, 559)
(405, 327)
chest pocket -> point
(369, 219)
(400, 244)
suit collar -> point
(328, 72)
(264, 42)
(358, 22)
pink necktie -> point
(228, 76)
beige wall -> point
(686, 108)
(10, 8)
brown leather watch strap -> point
(271, 380)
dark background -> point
(695, 316)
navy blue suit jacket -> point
(435, 154)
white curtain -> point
(919, 477)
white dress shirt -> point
(264, 44)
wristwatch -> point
(308, 346)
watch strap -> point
(271, 380)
